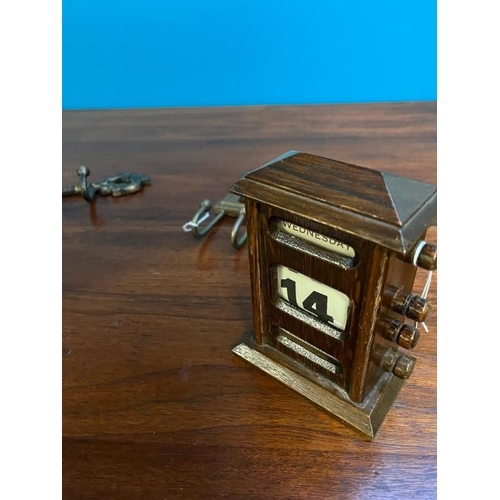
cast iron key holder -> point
(115, 185)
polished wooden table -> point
(155, 405)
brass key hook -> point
(193, 226)
(236, 241)
(232, 206)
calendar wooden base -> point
(366, 417)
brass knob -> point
(404, 366)
(408, 337)
(405, 335)
(400, 365)
(418, 308)
(427, 257)
(391, 330)
(412, 306)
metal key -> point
(115, 185)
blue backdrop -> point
(147, 53)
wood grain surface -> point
(155, 405)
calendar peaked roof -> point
(379, 206)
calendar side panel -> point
(369, 314)
(259, 270)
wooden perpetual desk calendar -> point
(334, 250)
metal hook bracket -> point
(232, 206)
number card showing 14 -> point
(325, 303)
